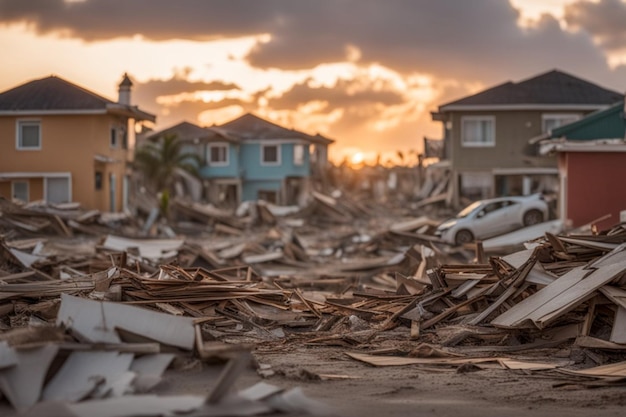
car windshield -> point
(467, 210)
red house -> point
(592, 182)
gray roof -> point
(56, 94)
(251, 127)
(551, 88)
(189, 132)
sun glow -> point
(357, 158)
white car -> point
(487, 218)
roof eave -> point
(130, 111)
(55, 112)
(518, 107)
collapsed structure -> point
(93, 312)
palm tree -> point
(158, 161)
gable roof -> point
(189, 132)
(551, 89)
(54, 95)
(251, 127)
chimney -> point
(124, 90)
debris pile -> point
(384, 291)
(104, 358)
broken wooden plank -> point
(595, 343)
(97, 321)
(604, 371)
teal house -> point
(250, 158)
(607, 123)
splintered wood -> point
(263, 284)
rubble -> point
(93, 311)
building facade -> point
(62, 143)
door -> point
(112, 193)
(58, 190)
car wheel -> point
(532, 217)
(463, 236)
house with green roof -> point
(591, 155)
(607, 123)
(486, 135)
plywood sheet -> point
(517, 315)
(98, 320)
(82, 372)
(22, 383)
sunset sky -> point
(366, 73)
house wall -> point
(254, 170)
(513, 129)
(35, 188)
(231, 170)
(473, 167)
(5, 189)
(259, 177)
(593, 186)
(250, 189)
(68, 145)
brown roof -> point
(251, 127)
(189, 132)
(56, 94)
(551, 88)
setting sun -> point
(357, 158)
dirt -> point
(351, 388)
(338, 385)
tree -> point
(158, 161)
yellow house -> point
(62, 143)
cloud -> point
(175, 99)
(148, 93)
(345, 93)
(477, 39)
(604, 20)
(460, 46)
(94, 20)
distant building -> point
(486, 135)
(62, 143)
(250, 158)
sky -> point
(365, 73)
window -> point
(218, 154)
(19, 190)
(270, 155)
(113, 137)
(28, 134)
(98, 180)
(478, 131)
(552, 121)
(298, 154)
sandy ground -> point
(411, 390)
(341, 386)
